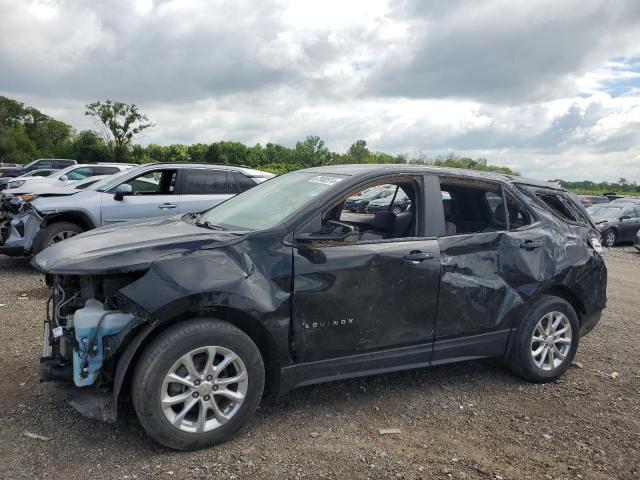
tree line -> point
(27, 134)
(598, 188)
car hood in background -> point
(129, 247)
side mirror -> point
(625, 217)
(122, 190)
(341, 233)
(63, 178)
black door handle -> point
(530, 245)
(416, 257)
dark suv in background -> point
(618, 221)
(49, 163)
(194, 317)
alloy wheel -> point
(203, 389)
(59, 237)
(551, 341)
(610, 238)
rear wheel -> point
(609, 238)
(546, 341)
(197, 383)
(55, 233)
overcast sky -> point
(549, 88)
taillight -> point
(594, 242)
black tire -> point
(609, 238)
(46, 236)
(164, 351)
(519, 359)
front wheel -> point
(197, 383)
(609, 238)
(546, 340)
(55, 233)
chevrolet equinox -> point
(194, 317)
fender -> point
(224, 283)
(76, 216)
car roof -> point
(362, 170)
(241, 168)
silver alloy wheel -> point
(551, 341)
(203, 389)
(59, 237)
(610, 238)
(397, 210)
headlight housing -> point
(17, 183)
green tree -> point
(358, 152)
(311, 152)
(197, 152)
(87, 147)
(118, 123)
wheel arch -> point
(569, 296)
(75, 216)
(240, 319)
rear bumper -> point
(589, 322)
(591, 289)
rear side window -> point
(203, 182)
(562, 206)
(105, 170)
(240, 182)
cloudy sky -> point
(550, 88)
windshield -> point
(268, 204)
(605, 212)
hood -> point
(41, 189)
(129, 247)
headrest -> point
(384, 220)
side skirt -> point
(406, 358)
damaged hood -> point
(129, 247)
(42, 189)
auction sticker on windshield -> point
(323, 179)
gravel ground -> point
(473, 420)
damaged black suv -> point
(195, 317)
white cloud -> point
(541, 86)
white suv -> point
(66, 176)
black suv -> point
(194, 317)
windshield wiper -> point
(209, 225)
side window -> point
(242, 183)
(105, 170)
(45, 164)
(374, 213)
(159, 182)
(519, 216)
(637, 212)
(472, 207)
(562, 206)
(80, 173)
(203, 182)
(629, 212)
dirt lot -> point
(472, 421)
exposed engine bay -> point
(85, 325)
